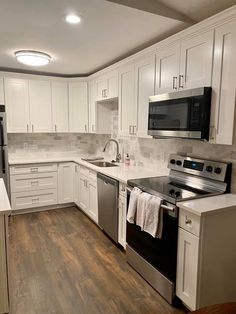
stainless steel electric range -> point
(189, 178)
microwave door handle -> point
(3, 160)
(2, 133)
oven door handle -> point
(172, 208)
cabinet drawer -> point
(122, 189)
(33, 182)
(189, 222)
(84, 171)
(33, 168)
(93, 175)
(24, 200)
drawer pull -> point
(34, 182)
(35, 200)
(188, 221)
(34, 169)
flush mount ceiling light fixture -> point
(34, 58)
(73, 19)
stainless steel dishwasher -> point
(108, 189)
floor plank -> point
(60, 262)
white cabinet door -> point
(187, 268)
(101, 88)
(17, 105)
(112, 85)
(122, 221)
(66, 182)
(78, 107)
(127, 104)
(83, 193)
(93, 200)
(223, 85)
(92, 106)
(2, 98)
(40, 106)
(144, 87)
(76, 185)
(167, 69)
(60, 107)
(196, 61)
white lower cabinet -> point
(122, 215)
(186, 287)
(87, 192)
(206, 258)
(66, 182)
(33, 185)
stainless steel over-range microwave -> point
(184, 114)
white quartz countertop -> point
(5, 207)
(210, 205)
(122, 172)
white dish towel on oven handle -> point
(153, 223)
(132, 209)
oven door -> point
(160, 253)
(186, 117)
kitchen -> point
(77, 137)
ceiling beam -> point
(155, 7)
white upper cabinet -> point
(17, 105)
(107, 86)
(144, 88)
(223, 84)
(196, 61)
(78, 107)
(167, 69)
(40, 106)
(127, 104)
(2, 99)
(60, 110)
(92, 106)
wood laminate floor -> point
(62, 263)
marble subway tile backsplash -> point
(144, 152)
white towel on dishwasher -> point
(132, 209)
(153, 223)
(141, 209)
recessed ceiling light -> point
(73, 19)
(34, 58)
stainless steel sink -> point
(103, 164)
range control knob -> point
(172, 161)
(177, 194)
(179, 162)
(209, 168)
(218, 170)
(172, 191)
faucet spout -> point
(118, 156)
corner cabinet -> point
(78, 107)
(40, 106)
(17, 105)
(107, 86)
(60, 112)
(224, 86)
(92, 93)
(66, 173)
(127, 105)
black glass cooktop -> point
(168, 188)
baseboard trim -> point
(41, 209)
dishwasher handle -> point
(107, 180)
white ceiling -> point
(198, 10)
(108, 31)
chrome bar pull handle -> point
(175, 83)
(181, 81)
